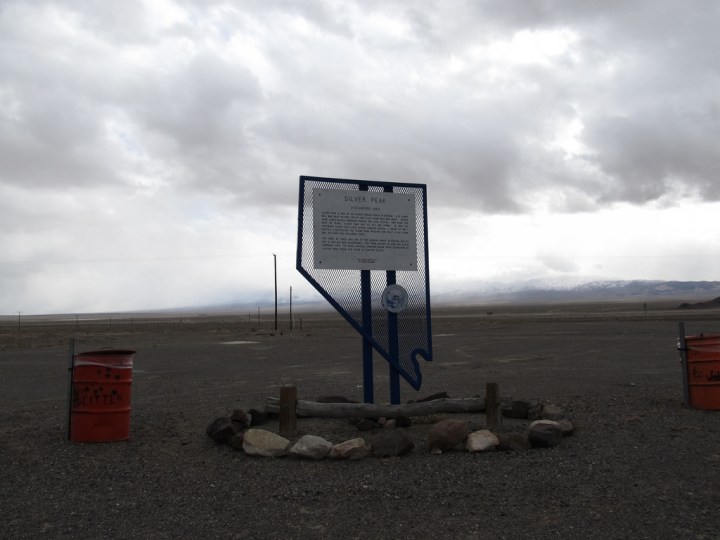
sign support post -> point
(393, 346)
(365, 290)
(368, 393)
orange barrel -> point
(703, 370)
(100, 410)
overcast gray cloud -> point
(176, 130)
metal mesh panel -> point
(343, 288)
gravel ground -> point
(640, 465)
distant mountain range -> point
(687, 294)
(580, 290)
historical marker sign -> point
(363, 245)
(362, 230)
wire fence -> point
(255, 320)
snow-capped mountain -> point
(568, 289)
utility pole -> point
(291, 319)
(275, 265)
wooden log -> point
(287, 407)
(492, 405)
(371, 410)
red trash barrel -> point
(101, 383)
(703, 370)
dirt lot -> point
(640, 465)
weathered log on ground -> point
(371, 410)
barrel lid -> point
(107, 352)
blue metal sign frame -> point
(400, 335)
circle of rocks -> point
(549, 424)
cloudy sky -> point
(150, 150)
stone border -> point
(548, 426)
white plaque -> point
(364, 230)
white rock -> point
(481, 441)
(259, 442)
(352, 449)
(311, 447)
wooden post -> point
(491, 405)
(682, 347)
(287, 416)
(71, 368)
(275, 266)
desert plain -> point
(640, 464)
